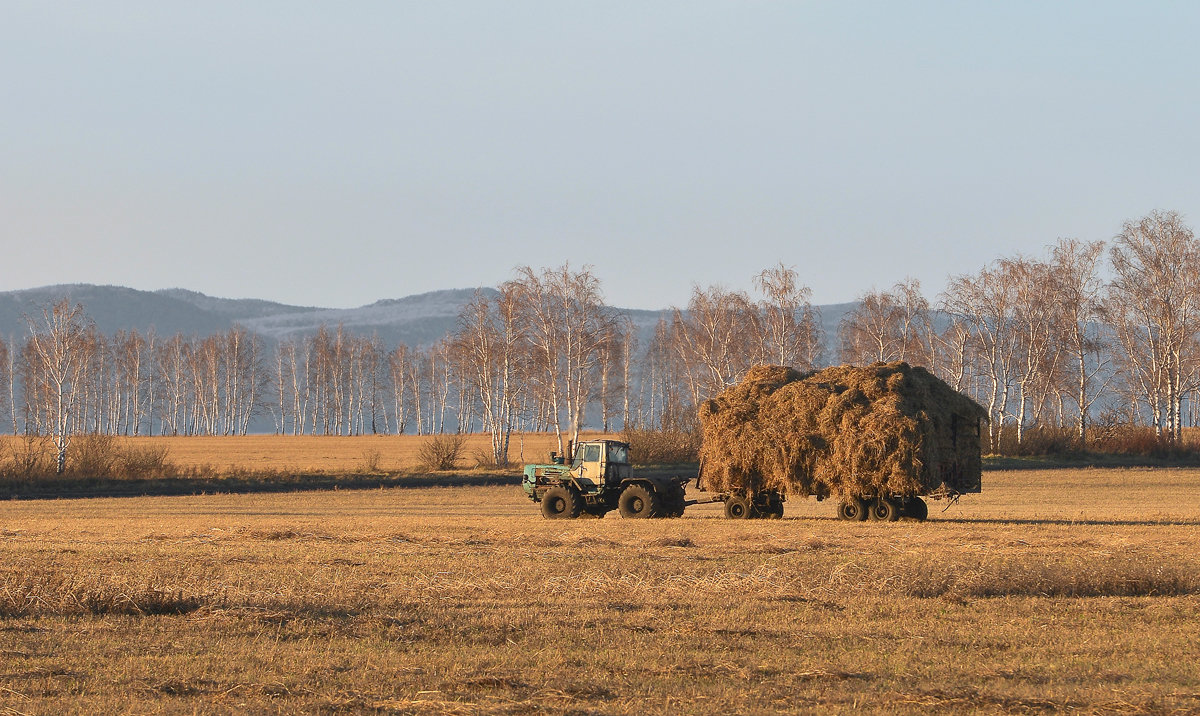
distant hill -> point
(417, 320)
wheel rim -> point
(636, 504)
(737, 510)
(558, 505)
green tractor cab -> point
(598, 480)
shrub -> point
(147, 461)
(1038, 440)
(93, 455)
(1108, 438)
(371, 459)
(662, 447)
(1125, 440)
(483, 457)
(441, 452)
(31, 456)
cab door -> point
(587, 467)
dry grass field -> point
(330, 454)
(1068, 590)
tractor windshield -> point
(618, 454)
(588, 452)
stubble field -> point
(314, 454)
(1056, 590)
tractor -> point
(598, 480)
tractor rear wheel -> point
(738, 508)
(561, 503)
(854, 510)
(885, 509)
(638, 502)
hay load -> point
(888, 429)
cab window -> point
(586, 453)
(618, 454)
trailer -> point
(880, 439)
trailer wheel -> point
(561, 503)
(916, 508)
(738, 508)
(885, 509)
(767, 506)
(638, 502)
(854, 510)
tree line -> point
(1038, 341)
(1088, 327)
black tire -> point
(885, 509)
(638, 502)
(769, 506)
(916, 508)
(561, 503)
(854, 510)
(676, 502)
(738, 508)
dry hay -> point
(885, 429)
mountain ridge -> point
(417, 320)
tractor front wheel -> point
(638, 502)
(561, 503)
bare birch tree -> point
(789, 326)
(1037, 354)
(1078, 301)
(490, 337)
(566, 324)
(56, 342)
(985, 303)
(1154, 308)
(888, 326)
(710, 339)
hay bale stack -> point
(885, 429)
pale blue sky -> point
(337, 153)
